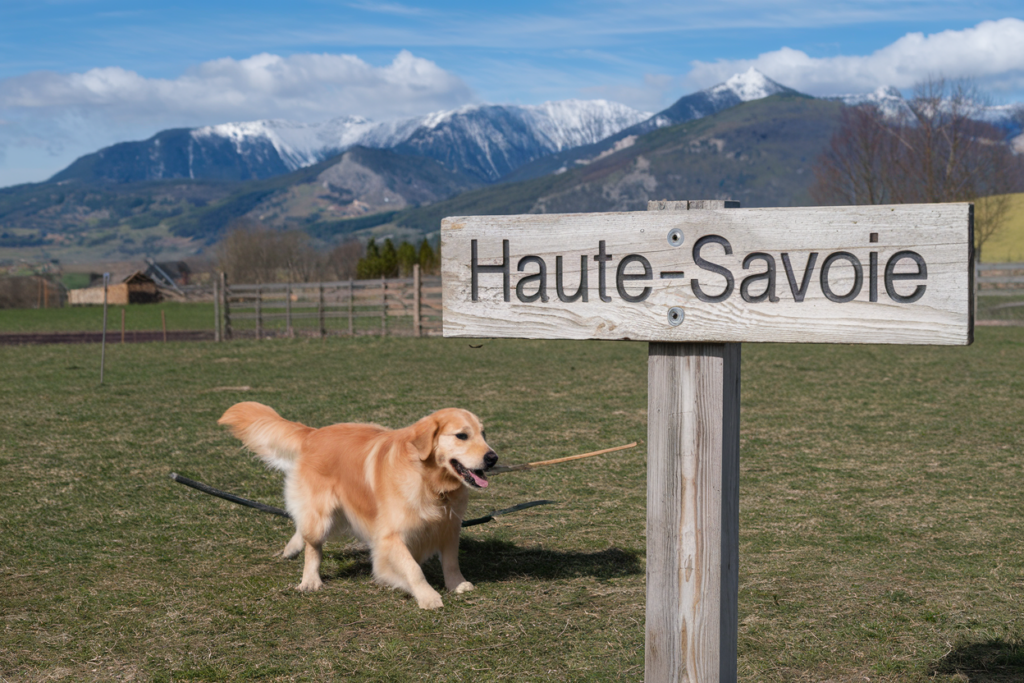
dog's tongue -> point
(480, 481)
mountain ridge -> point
(491, 140)
(487, 141)
(748, 86)
(759, 153)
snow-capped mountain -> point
(484, 141)
(487, 142)
(297, 144)
(887, 98)
(892, 104)
(890, 100)
(745, 87)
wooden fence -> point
(400, 306)
(999, 293)
(412, 306)
(32, 291)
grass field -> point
(882, 521)
(1002, 308)
(180, 316)
(187, 316)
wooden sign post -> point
(695, 284)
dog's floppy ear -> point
(423, 432)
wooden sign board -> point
(858, 274)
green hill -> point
(74, 220)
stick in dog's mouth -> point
(475, 478)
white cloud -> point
(304, 87)
(991, 52)
(655, 93)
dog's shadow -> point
(993, 660)
(491, 560)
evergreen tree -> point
(406, 259)
(370, 265)
(388, 260)
(427, 258)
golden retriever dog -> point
(402, 491)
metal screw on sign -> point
(675, 316)
(675, 238)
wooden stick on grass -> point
(530, 465)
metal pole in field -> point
(259, 314)
(288, 311)
(216, 311)
(416, 327)
(103, 343)
(320, 308)
(227, 307)
(351, 307)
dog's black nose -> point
(490, 459)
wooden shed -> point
(137, 288)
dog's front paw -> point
(309, 585)
(464, 587)
(430, 601)
(294, 547)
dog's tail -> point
(274, 439)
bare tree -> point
(856, 168)
(253, 253)
(343, 260)
(936, 151)
(301, 261)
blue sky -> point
(79, 74)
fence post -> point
(383, 307)
(351, 308)
(417, 329)
(163, 323)
(227, 308)
(216, 310)
(122, 325)
(288, 311)
(320, 309)
(259, 313)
